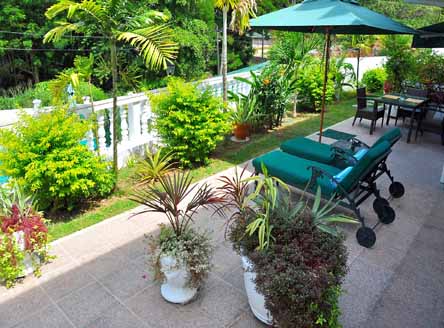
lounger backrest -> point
(391, 136)
(366, 164)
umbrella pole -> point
(324, 88)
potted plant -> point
(179, 255)
(242, 115)
(294, 258)
(23, 236)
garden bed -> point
(226, 155)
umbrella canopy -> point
(430, 37)
(329, 17)
(340, 16)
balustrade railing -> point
(136, 118)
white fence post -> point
(101, 132)
(124, 125)
(36, 103)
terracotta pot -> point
(241, 131)
(388, 87)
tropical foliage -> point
(241, 11)
(190, 122)
(44, 155)
(374, 79)
(310, 83)
(298, 255)
(117, 21)
(23, 234)
(153, 166)
(188, 247)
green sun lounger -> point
(329, 154)
(342, 157)
(351, 186)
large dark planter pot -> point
(241, 131)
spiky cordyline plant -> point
(233, 195)
(168, 197)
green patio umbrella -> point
(329, 17)
(430, 37)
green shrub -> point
(272, 90)
(374, 79)
(41, 91)
(190, 122)
(310, 83)
(44, 155)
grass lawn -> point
(227, 155)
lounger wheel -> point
(379, 203)
(386, 215)
(396, 189)
(366, 237)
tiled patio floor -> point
(98, 279)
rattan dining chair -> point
(368, 109)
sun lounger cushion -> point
(294, 170)
(391, 136)
(360, 153)
(365, 164)
(310, 149)
(323, 153)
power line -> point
(56, 49)
(43, 49)
(63, 36)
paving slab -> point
(100, 277)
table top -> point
(402, 100)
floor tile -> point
(117, 316)
(87, 305)
(15, 309)
(50, 317)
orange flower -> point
(266, 81)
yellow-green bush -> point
(189, 121)
(43, 153)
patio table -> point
(409, 103)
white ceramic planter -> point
(29, 259)
(175, 289)
(256, 300)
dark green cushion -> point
(294, 170)
(365, 163)
(309, 149)
(391, 136)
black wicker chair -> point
(402, 113)
(368, 109)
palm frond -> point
(90, 7)
(242, 12)
(147, 18)
(154, 44)
(60, 30)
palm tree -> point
(241, 11)
(117, 21)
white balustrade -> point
(124, 125)
(101, 132)
(36, 103)
(136, 116)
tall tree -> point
(241, 11)
(117, 21)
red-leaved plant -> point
(18, 215)
(30, 222)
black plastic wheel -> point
(366, 237)
(379, 203)
(387, 215)
(396, 189)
